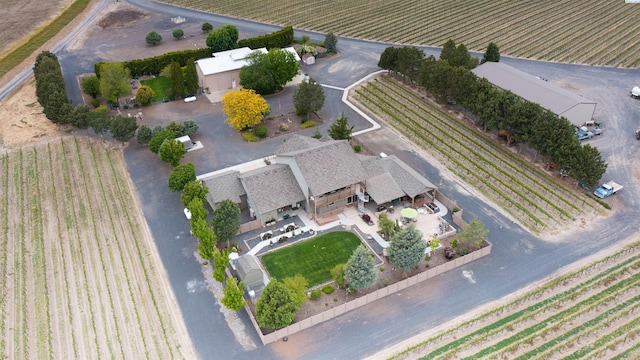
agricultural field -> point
(313, 258)
(80, 277)
(589, 313)
(591, 32)
(529, 195)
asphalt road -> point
(518, 257)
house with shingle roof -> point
(322, 177)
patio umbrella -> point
(409, 213)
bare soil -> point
(285, 123)
(22, 18)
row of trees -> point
(184, 79)
(52, 95)
(449, 79)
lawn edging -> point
(366, 299)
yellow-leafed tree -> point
(244, 108)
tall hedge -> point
(279, 39)
(154, 65)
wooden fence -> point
(367, 299)
(457, 216)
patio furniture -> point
(409, 213)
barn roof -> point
(529, 87)
(229, 60)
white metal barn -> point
(222, 71)
(577, 109)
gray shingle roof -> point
(328, 166)
(529, 87)
(249, 271)
(382, 188)
(271, 187)
(224, 186)
(407, 179)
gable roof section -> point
(248, 268)
(328, 166)
(407, 179)
(224, 61)
(382, 188)
(529, 87)
(229, 60)
(224, 186)
(271, 187)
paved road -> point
(518, 259)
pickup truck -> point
(607, 189)
(583, 135)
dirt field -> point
(21, 18)
(80, 273)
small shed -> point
(308, 59)
(250, 272)
(186, 141)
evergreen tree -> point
(157, 140)
(308, 97)
(123, 128)
(330, 42)
(191, 84)
(226, 220)
(177, 80)
(407, 248)
(91, 86)
(448, 50)
(340, 129)
(492, 54)
(360, 271)
(153, 38)
(233, 298)
(79, 117)
(178, 34)
(190, 127)
(144, 135)
(275, 308)
(389, 59)
(206, 27)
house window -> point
(351, 199)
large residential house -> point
(320, 177)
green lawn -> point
(313, 258)
(161, 86)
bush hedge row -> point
(279, 39)
(155, 64)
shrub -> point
(462, 252)
(283, 127)
(206, 27)
(327, 289)
(178, 33)
(250, 137)
(176, 128)
(455, 209)
(95, 103)
(260, 131)
(308, 124)
(357, 148)
(317, 135)
(315, 294)
(454, 243)
(279, 39)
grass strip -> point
(18, 55)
